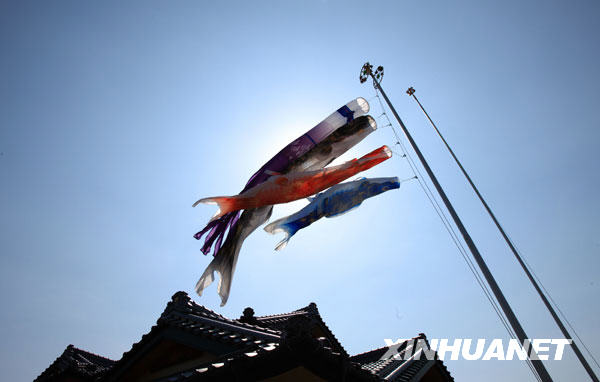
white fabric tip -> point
(363, 105)
(372, 123)
(217, 214)
(204, 201)
(282, 244)
(387, 151)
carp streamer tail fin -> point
(280, 226)
(226, 204)
(224, 264)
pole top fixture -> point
(410, 91)
(367, 70)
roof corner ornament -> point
(248, 317)
(180, 298)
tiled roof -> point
(297, 350)
(370, 356)
(418, 367)
(256, 347)
(380, 362)
(184, 314)
(226, 364)
(79, 362)
(280, 321)
(384, 364)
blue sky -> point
(116, 117)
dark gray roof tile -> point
(79, 362)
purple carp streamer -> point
(316, 158)
(337, 200)
(215, 230)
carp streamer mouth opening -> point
(372, 123)
(387, 151)
(363, 105)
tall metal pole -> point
(563, 329)
(510, 315)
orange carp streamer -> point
(287, 188)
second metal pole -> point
(557, 319)
(510, 315)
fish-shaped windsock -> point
(337, 200)
(287, 188)
(226, 258)
(319, 156)
(215, 229)
(336, 144)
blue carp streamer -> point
(337, 200)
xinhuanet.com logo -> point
(481, 349)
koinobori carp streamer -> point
(215, 229)
(337, 200)
(319, 156)
(287, 188)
